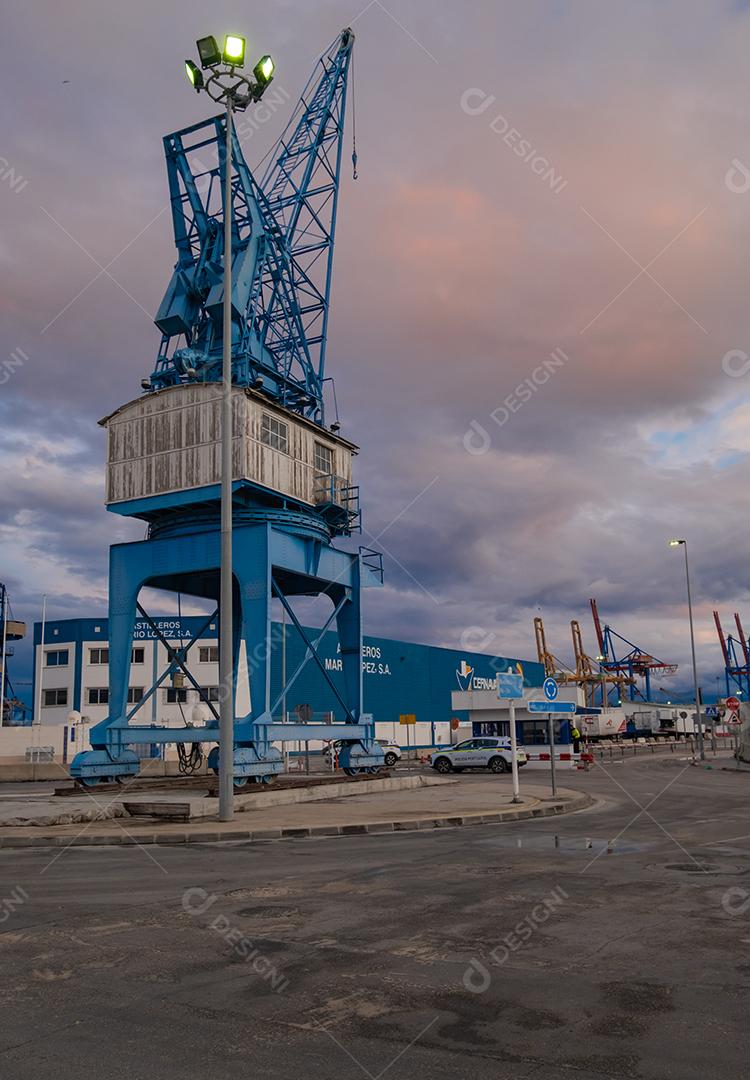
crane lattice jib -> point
(302, 187)
(283, 233)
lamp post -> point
(227, 85)
(699, 730)
(40, 676)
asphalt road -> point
(537, 949)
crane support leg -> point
(269, 562)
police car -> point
(391, 752)
(481, 753)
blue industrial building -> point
(399, 677)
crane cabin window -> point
(274, 433)
(323, 460)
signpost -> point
(559, 708)
(407, 719)
(551, 689)
(305, 714)
(510, 687)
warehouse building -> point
(400, 678)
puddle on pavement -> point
(568, 845)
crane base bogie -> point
(358, 757)
(250, 763)
(92, 767)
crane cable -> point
(355, 175)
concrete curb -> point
(203, 836)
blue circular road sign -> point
(551, 689)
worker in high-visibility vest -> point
(576, 736)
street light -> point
(194, 74)
(231, 88)
(263, 70)
(699, 730)
(234, 51)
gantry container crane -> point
(292, 488)
(623, 657)
(588, 677)
(736, 655)
(553, 667)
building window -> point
(212, 693)
(135, 694)
(274, 433)
(137, 655)
(56, 658)
(98, 656)
(323, 461)
(97, 695)
(54, 698)
(208, 654)
(176, 695)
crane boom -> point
(743, 639)
(283, 232)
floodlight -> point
(263, 70)
(234, 50)
(208, 51)
(194, 74)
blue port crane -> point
(289, 502)
(735, 652)
(623, 658)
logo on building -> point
(463, 675)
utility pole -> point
(226, 621)
(697, 721)
(37, 719)
(514, 750)
(226, 83)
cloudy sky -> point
(540, 330)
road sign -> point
(551, 689)
(560, 707)
(711, 710)
(510, 686)
(733, 704)
(407, 718)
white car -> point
(391, 752)
(482, 753)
